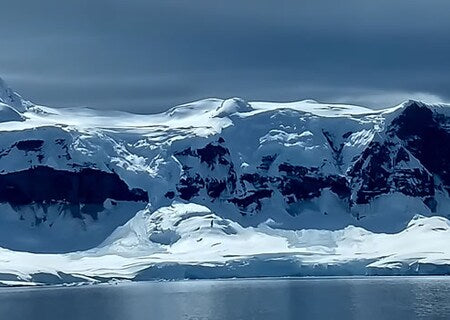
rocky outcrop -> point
(426, 135)
(86, 188)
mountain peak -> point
(12, 98)
(232, 105)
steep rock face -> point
(427, 136)
(298, 183)
(412, 158)
(408, 155)
(216, 158)
(385, 168)
(86, 189)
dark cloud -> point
(146, 56)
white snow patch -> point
(232, 106)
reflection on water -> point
(317, 298)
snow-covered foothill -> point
(190, 241)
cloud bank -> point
(145, 56)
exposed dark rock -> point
(335, 147)
(170, 194)
(215, 188)
(296, 171)
(413, 182)
(29, 145)
(425, 136)
(254, 197)
(255, 179)
(231, 178)
(63, 144)
(339, 185)
(379, 170)
(347, 134)
(212, 154)
(44, 185)
(266, 162)
(92, 209)
(190, 186)
(370, 173)
(300, 183)
(402, 155)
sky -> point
(148, 55)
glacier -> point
(222, 188)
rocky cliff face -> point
(409, 155)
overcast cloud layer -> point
(145, 56)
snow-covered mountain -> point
(223, 183)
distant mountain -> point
(69, 177)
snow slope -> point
(222, 188)
(189, 241)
